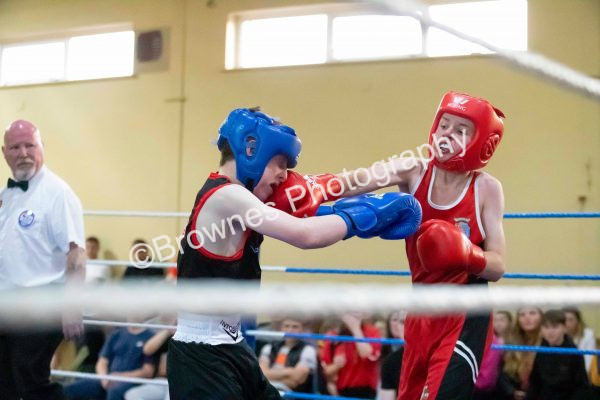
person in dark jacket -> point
(556, 376)
(292, 363)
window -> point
(375, 36)
(501, 22)
(32, 63)
(283, 41)
(316, 34)
(100, 56)
(73, 58)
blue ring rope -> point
(502, 347)
(383, 272)
(544, 215)
(310, 396)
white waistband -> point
(208, 329)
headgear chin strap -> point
(255, 138)
(489, 129)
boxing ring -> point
(305, 299)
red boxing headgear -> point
(488, 130)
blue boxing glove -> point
(408, 221)
(389, 215)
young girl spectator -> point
(526, 331)
(392, 357)
(486, 386)
(583, 336)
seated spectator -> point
(260, 341)
(595, 379)
(486, 387)
(142, 255)
(292, 363)
(556, 376)
(121, 355)
(89, 346)
(157, 348)
(503, 322)
(583, 336)
(95, 273)
(82, 353)
(352, 369)
(392, 362)
(514, 380)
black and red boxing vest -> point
(195, 263)
(199, 263)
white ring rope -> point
(529, 61)
(129, 262)
(46, 304)
(116, 378)
(99, 322)
(124, 213)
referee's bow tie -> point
(24, 185)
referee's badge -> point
(26, 218)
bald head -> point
(23, 149)
(21, 128)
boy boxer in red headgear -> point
(461, 240)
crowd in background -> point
(351, 369)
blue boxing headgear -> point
(255, 138)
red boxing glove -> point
(300, 195)
(442, 246)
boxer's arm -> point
(492, 198)
(395, 172)
(235, 202)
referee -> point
(41, 243)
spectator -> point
(392, 363)
(489, 372)
(89, 344)
(503, 322)
(140, 251)
(583, 336)
(351, 369)
(41, 226)
(88, 348)
(156, 347)
(381, 322)
(486, 386)
(292, 363)
(94, 273)
(595, 378)
(272, 325)
(514, 380)
(556, 376)
(393, 328)
(121, 355)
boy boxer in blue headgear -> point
(208, 357)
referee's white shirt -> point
(36, 228)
